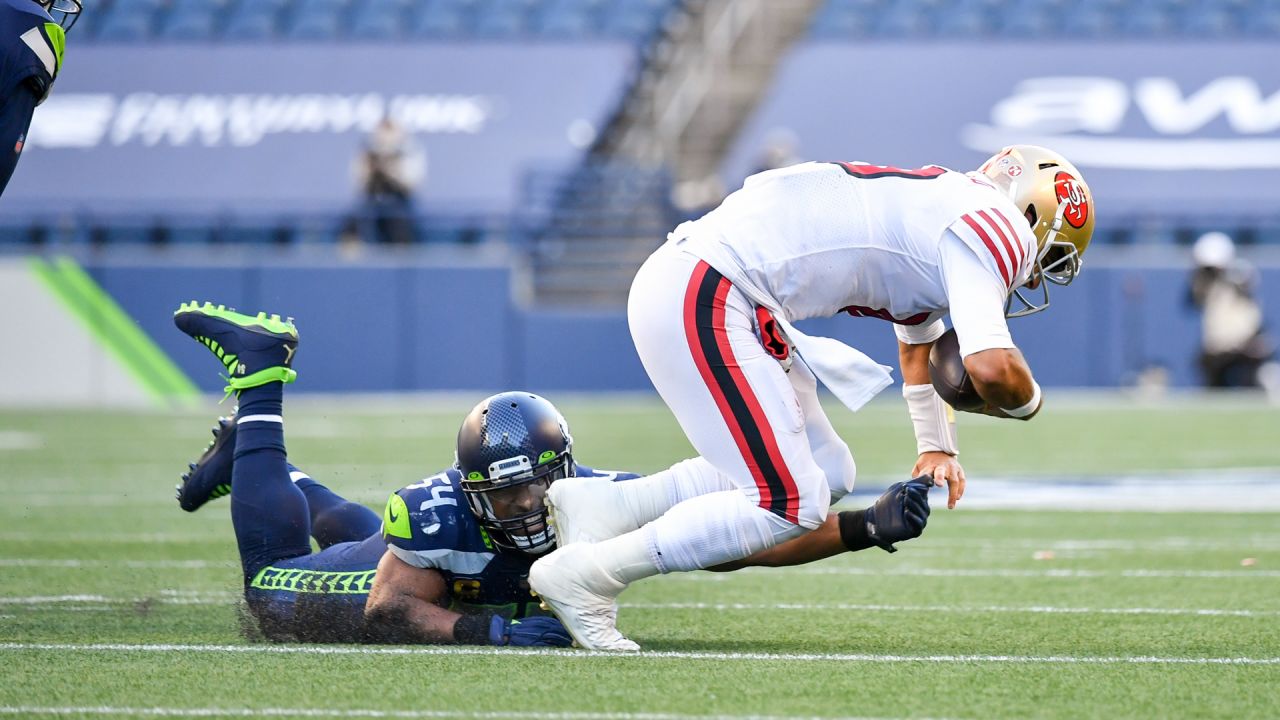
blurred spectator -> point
(1234, 346)
(389, 169)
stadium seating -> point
(134, 21)
(636, 21)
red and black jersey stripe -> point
(704, 324)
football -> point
(950, 379)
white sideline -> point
(102, 602)
(717, 577)
(362, 713)
(654, 655)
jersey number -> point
(869, 172)
(440, 490)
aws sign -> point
(1151, 123)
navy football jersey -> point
(32, 47)
(429, 525)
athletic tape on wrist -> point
(1030, 407)
(934, 420)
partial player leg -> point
(268, 511)
(334, 519)
(592, 509)
(740, 412)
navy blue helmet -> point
(511, 447)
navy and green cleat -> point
(209, 477)
(255, 350)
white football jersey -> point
(815, 239)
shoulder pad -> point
(429, 525)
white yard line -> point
(131, 564)
(106, 537)
(997, 572)
(213, 598)
(1032, 609)
(369, 713)
(19, 440)
(656, 655)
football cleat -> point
(209, 477)
(573, 586)
(255, 350)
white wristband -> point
(1030, 407)
(934, 420)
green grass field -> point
(116, 603)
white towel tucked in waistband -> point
(848, 373)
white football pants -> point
(760, 428)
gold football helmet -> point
(1055, 199)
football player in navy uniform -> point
(33, 44)
(448, 561)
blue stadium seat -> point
(1087, 22)
(1026, 21)
(1208, 21)
(189, 233)
(317, 20)
(841, 19)
(442, 18)
(123, 231)
(1262, 23)
(962, 22)
(253, 20)
(905, 19)
(1149, 22)
(191, 20)
(256, 231)
(378, 19)
(499, 18)
(126, 23)
(566, 18)
(17, 233)
(633, 19)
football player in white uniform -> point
(711, 312)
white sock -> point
(709, 530)
(649, 498)
(630, 557)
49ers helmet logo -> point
(1068, 189)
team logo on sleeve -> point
(1068, 190)
(17, 146)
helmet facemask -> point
(63, 12)
(1057, 262)
(497, 500)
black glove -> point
(536, 631)
(899, 514)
